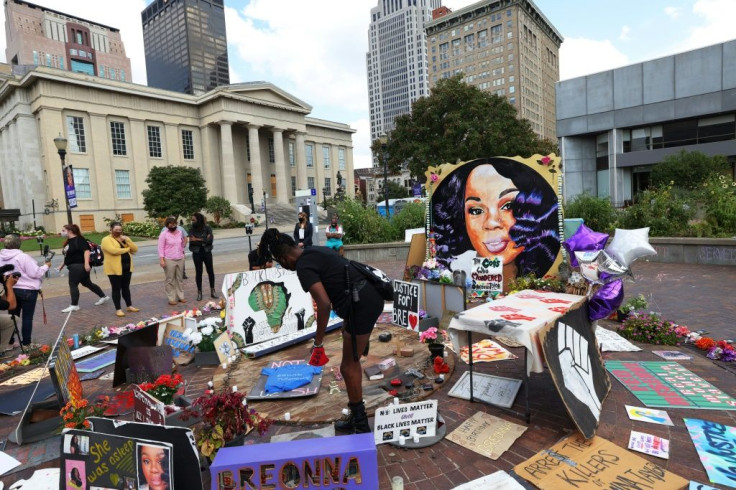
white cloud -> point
(625, 33)
(673, 12)
(362, 146)
(580, 56)
(715, 25)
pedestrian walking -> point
(76, 258)
(303, 231)
(28, 286)
(200, 244)
(118, 266)
(171, 244)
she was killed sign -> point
(406, 305)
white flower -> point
(195, 338)
(211, 321)
(207, 330)
(104, 332)
(187, 334)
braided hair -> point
(275, 245)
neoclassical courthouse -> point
(237, 135)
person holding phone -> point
(119, 250)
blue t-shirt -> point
(287, 378)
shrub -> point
(667, 213)
(148, 228)
(598, 213)
(219, 208)
(649, 328)
(687, 170)
(362, 225)
(412, 216)
(718, 195)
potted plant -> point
(227, 420)
(637, 303)
(434, 339)
(75, 412)
(169, 390)
(203, 338)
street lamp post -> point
(60, 143)
(265, 209)
(384, 156)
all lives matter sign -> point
(406, 305)
(406, 420)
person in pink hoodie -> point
(28, 286)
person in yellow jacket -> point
(118, 265)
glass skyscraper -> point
(186, 45)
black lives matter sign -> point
(406, 305)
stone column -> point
(227, 161)
(301, 161)
(282, 168)
(256, 167)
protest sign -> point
(649, 444)
(648, 415)
(716, 446)
(487, 275)
(147, 408)
(488, 388)
(597, 463)
(610, 341)
(224, 347)
(486, 435)
(673, 355)
(64, 374)
(406, 305)
(405, 421)
(95, 363)
(173, 335)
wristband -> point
(315, 344)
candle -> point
(235, 389)
(224, 365)
(402, 440)
(287, 416)
(210, 384)
(396, 400)
(345, 412)
(416, 439)
(397, 483)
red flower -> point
(705, 343)
(545, 160)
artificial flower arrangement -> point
(649, 328)
(719, 350)
(433, 336)
(433, 270)
(206, 334)
(75, 412)
(164, 388)
(226, 416)
(37, 354)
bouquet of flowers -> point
(204, 337)
(433, 336)
(164, 388)
(75, 412)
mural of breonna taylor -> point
(498, 207)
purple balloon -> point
(584, 240)
(606, 300)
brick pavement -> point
(699, 296)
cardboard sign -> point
(407, 420)
(487, 275)
(594, 464)
(148, 363)
(143, 337)
(610, 341)
(113, 462)
(576, 367)
(64, 374)
(147, 408)
(673, 355)
(648, 415)
(649, 444)
(84, 351)
(500, 480)
(347, 462)
(716, 446)
(667, 384)
(486, 350)
(495, 390)
(406, 305)
(224, 347)
(97, 362)
(486, 435)
(264, 304)
(173, 335)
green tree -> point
(457, 122)
(412, 216)
(219, 208)
(395, 191)
(174, 191)
(362, 225)
(688, 170)
(597, 212)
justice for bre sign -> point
(406, 305)
(407, 420)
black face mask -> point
(301, 220)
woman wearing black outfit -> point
(324, 274)
(200, 244)
(303, 231)
(76, 259)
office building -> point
(186, 45)
(38, 36)
(614, 125)
(239, 136)
(396, 59)
(506, 47)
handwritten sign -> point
(649, 415)
(649, 444)
(224, 347)
(488, 388)
(593, 464)
(147, 408)
(487, 275)
(406, 420)
(716, 446)
(173, 335)
(406, 305)
(64, 374)
(486, 435)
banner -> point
(406, 305)
(69, 188)
(716, 446)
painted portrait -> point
(497, 207)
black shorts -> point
(365, 312)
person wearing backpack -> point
(76, 252)
(118, 267)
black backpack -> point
(96, 257)
(383, 284)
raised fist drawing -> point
(575, 365)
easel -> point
(16, 333)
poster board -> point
(264, 304)
(716, 446)
(576, 366)
(594, 464)
(64, 374)
(147, 409)
(172, 333)
(487, 275)
(406, 305)
(97, 362)
(495, 390)
(405, 420)
(649, 444)
(143, 337)
(417, 250)
(487, 435)
(224, 347)
(148, 363)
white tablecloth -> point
(519, 316)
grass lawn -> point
(55, 242)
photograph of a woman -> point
(153, 467)
(75, 475)
(76, 444)
(496, 207)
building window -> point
(117, 132)
(309, 150)
(292, 159)
(326, 155)
(187, 144)
(101, 71)
(154, 141)
(75, 132)
(273, 185)
(293, 186)
(271, 150)
(328, 186)
(247, 146)
(310, 182)
(341, 158)
(81, 183)
(122, 184)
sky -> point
(315, 49)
